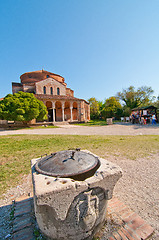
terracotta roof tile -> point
(58, 97)
(40, 71)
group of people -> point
(143, 120)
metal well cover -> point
(76, 164)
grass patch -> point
(32, 127)
(17, 151)
(93, 123)
(43, 126)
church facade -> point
(52, 90)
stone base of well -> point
(70, 209)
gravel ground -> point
(139, 188)
(115, 129)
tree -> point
(140, 97)
(94, 108)
(111, 108)
(156, 104)
(23, 107)
(126, 111)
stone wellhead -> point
(68, 208)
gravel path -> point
(115, 129)
(139, 188)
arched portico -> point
(66, 110)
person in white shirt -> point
(153, 119)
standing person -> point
(142, 121)
(133, 118)
(153, 119)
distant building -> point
(52, 90)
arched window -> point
(44, 90)
(51, 91)
(58, 91)
(47, 76)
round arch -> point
(49, 104)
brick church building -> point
(52, 90)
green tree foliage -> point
(156, 104)
(100, 105)
(23, 107)
(135, 98)
(94, 108)
(112, 108)
(126, 111)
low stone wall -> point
(3, 122)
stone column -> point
(71, 107)
(53, 111)
(63, 111)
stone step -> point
(60, 123)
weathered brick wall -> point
(67, 114)
(30, 89)
(69, 92)
(75, 114)
(87, 111)
(59, 114)
(16, 89)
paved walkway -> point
(122, 223)
(115, 129)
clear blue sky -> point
(98, 46)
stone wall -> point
(48, 83)
(16, 89)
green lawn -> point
(33, 127)
(43, 126)
(17, 151)
(93, 123)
